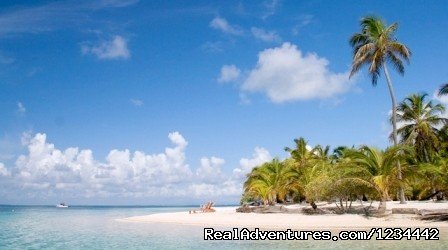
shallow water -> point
(36, 227)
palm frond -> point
(443, 89)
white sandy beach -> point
(228, 217)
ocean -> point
(97, 227)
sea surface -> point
(96, 227)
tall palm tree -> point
(376, 46)
(443, 89)
(421, 121)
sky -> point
(128, 102)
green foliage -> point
(421, 121)
(345, 175)
(417, 166)
(269, 182)
(376, 45)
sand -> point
(228, 217)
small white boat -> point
(62, 205)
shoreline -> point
(228, 217)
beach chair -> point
(209, 209)
(202, 208)
(206, 208)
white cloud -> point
(221, 24)
(114, 49)
(178, 139)
(285, 74)
(215, 192)
(21, 108)
(77, 172)
(137, 102)
(3, 170)
(48, 173)
(210, 170)
(54, 15)
(260, 156)
(267, 36)
(229, 73)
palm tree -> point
(443, 138)
(309, 167)
(270, 182)
(421, 121)
(374, 168)
(341, 188)
(443, 89)
(432, 177)
(321, 153)
(377, 46)
(308, 180)
(302, 153)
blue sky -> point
(231, 82)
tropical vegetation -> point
(414, 167)
(376, 46)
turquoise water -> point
(40, 227)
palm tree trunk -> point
(382, 207)
(313, 205)
(394, 129)
(394, 106)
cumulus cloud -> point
(46, 171)
(210, 170)
(260, 156)
(21, 108)
(267, 36)
(226, 188)
(221, 24)
(76, 171)
(229, 73)
(286, 74)
(116, 48)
